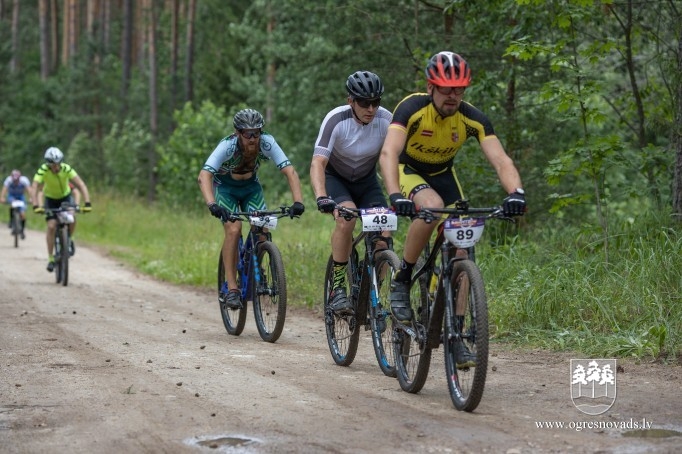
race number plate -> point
(464, 232)
(18, 204)
(378, 219)
(269, 222)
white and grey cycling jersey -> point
(351, 147)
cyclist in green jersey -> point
(52, 179)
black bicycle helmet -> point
(248, 119)
(364, 84)
(448, 69)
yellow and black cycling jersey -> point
(433, 141)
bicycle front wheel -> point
(270, 292)
(64, 266)
(16, 226)
(380, 320)
(233, 319)
(465, 337)
(343, 332)
(413, 353)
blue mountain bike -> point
(260, 276)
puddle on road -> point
(652, 433)
(225, 443)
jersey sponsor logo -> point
(427, 133)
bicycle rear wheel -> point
(270, 293)
(233, 319)
(413, 354)
(467, 381)
(343, 332)
(380, 320)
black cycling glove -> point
(219, 212)
(326, 204)
(401, 205)
(514, 204)
(296, 209)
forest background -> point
(585, 95)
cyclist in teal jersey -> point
(52, 179)
(229, 182)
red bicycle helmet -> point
(448, 69)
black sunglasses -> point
(365, 103)
(250, 134)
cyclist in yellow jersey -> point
(53, 179)
(417, 159)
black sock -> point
(405, 273)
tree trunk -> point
(189, 95)
(126, 54)
(153, 97)
(43, 24)
(14, 61)
(175, 9)
(677, 136)
(54, 36)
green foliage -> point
(125, 153)
(181, 159)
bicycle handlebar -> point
(461, 208)
(65, 206)
(247, 215)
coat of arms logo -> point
(593, 385)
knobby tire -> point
(233, 319)
(64, 259)
(413, 355)
(16, 226)
(466, 385)
(270, 295)
(343, 332)
(381, 322)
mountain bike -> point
(450, 307)
(62, 240)
(369, 281)
(260, 276)
(15, 222)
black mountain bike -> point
(15, 221)
(62, 240)
(449, 305)
(260, 276)
(369, 280)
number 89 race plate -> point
(464, 232)
(378, 219)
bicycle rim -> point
(412, 354)
(343, 333)
(270, 294)
(381, 322)
(64, 268)
(233, 319)
(466, 384)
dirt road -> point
(118, 362)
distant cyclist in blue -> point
(229, 183)
(14, 188)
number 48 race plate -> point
(378, 219)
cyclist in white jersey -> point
(15, 187)
(343, 168)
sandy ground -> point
(118, 362)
